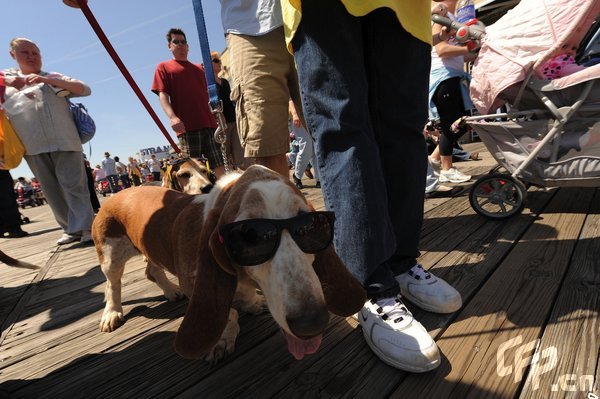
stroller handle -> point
(472, 30)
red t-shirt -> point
(185, 83)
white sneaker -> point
(453, 175)
(396, 337)
(428, 292)
(86, 236)
(67, 239)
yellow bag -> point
(11, 148)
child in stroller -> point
(550, 135)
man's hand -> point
(296, 121)
(177, 125)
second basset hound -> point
(188, 175)
(252, 231)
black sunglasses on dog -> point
(254, 241)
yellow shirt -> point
(414, 15)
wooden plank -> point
(41, 331)
(570, 346)
(273, 368)
(24, 299)
(514, 302)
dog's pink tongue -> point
(300, 347)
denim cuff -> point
(377, 291)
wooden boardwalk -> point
(530, 285)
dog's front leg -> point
(226, 343)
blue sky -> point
(136, 29)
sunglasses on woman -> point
(254, 241)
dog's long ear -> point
(343, 293)
(208, 309)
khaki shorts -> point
(264, 78)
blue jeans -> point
(364, 88)
(113, 182)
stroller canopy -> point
(523, 39)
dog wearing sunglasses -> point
(188, 175)
(254, 230)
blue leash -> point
(216, 105)
(213, 95)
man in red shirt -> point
(182, 91)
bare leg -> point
(277, 163)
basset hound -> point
(254, 230)
(188, 175)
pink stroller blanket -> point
(525, 38)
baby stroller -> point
(549, 135)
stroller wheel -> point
(498, 196)
(25, 220)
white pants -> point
(305, 154)
(64, 183)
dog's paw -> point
(174, 293)
(111, 320)
(224, 347)
(226, 343)
(219, 351)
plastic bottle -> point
(465, 11)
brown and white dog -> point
(179, 233)
(189, 176)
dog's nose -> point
(308, 323)
(206, 189)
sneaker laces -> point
(391, 309)
(418, 273)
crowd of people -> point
(319, 70)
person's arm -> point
(176, 123)
(295, 118)
(441, 36)
(17, 82)
(75, 86)
(446, 50)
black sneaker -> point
(297, 182)
(15, 233)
